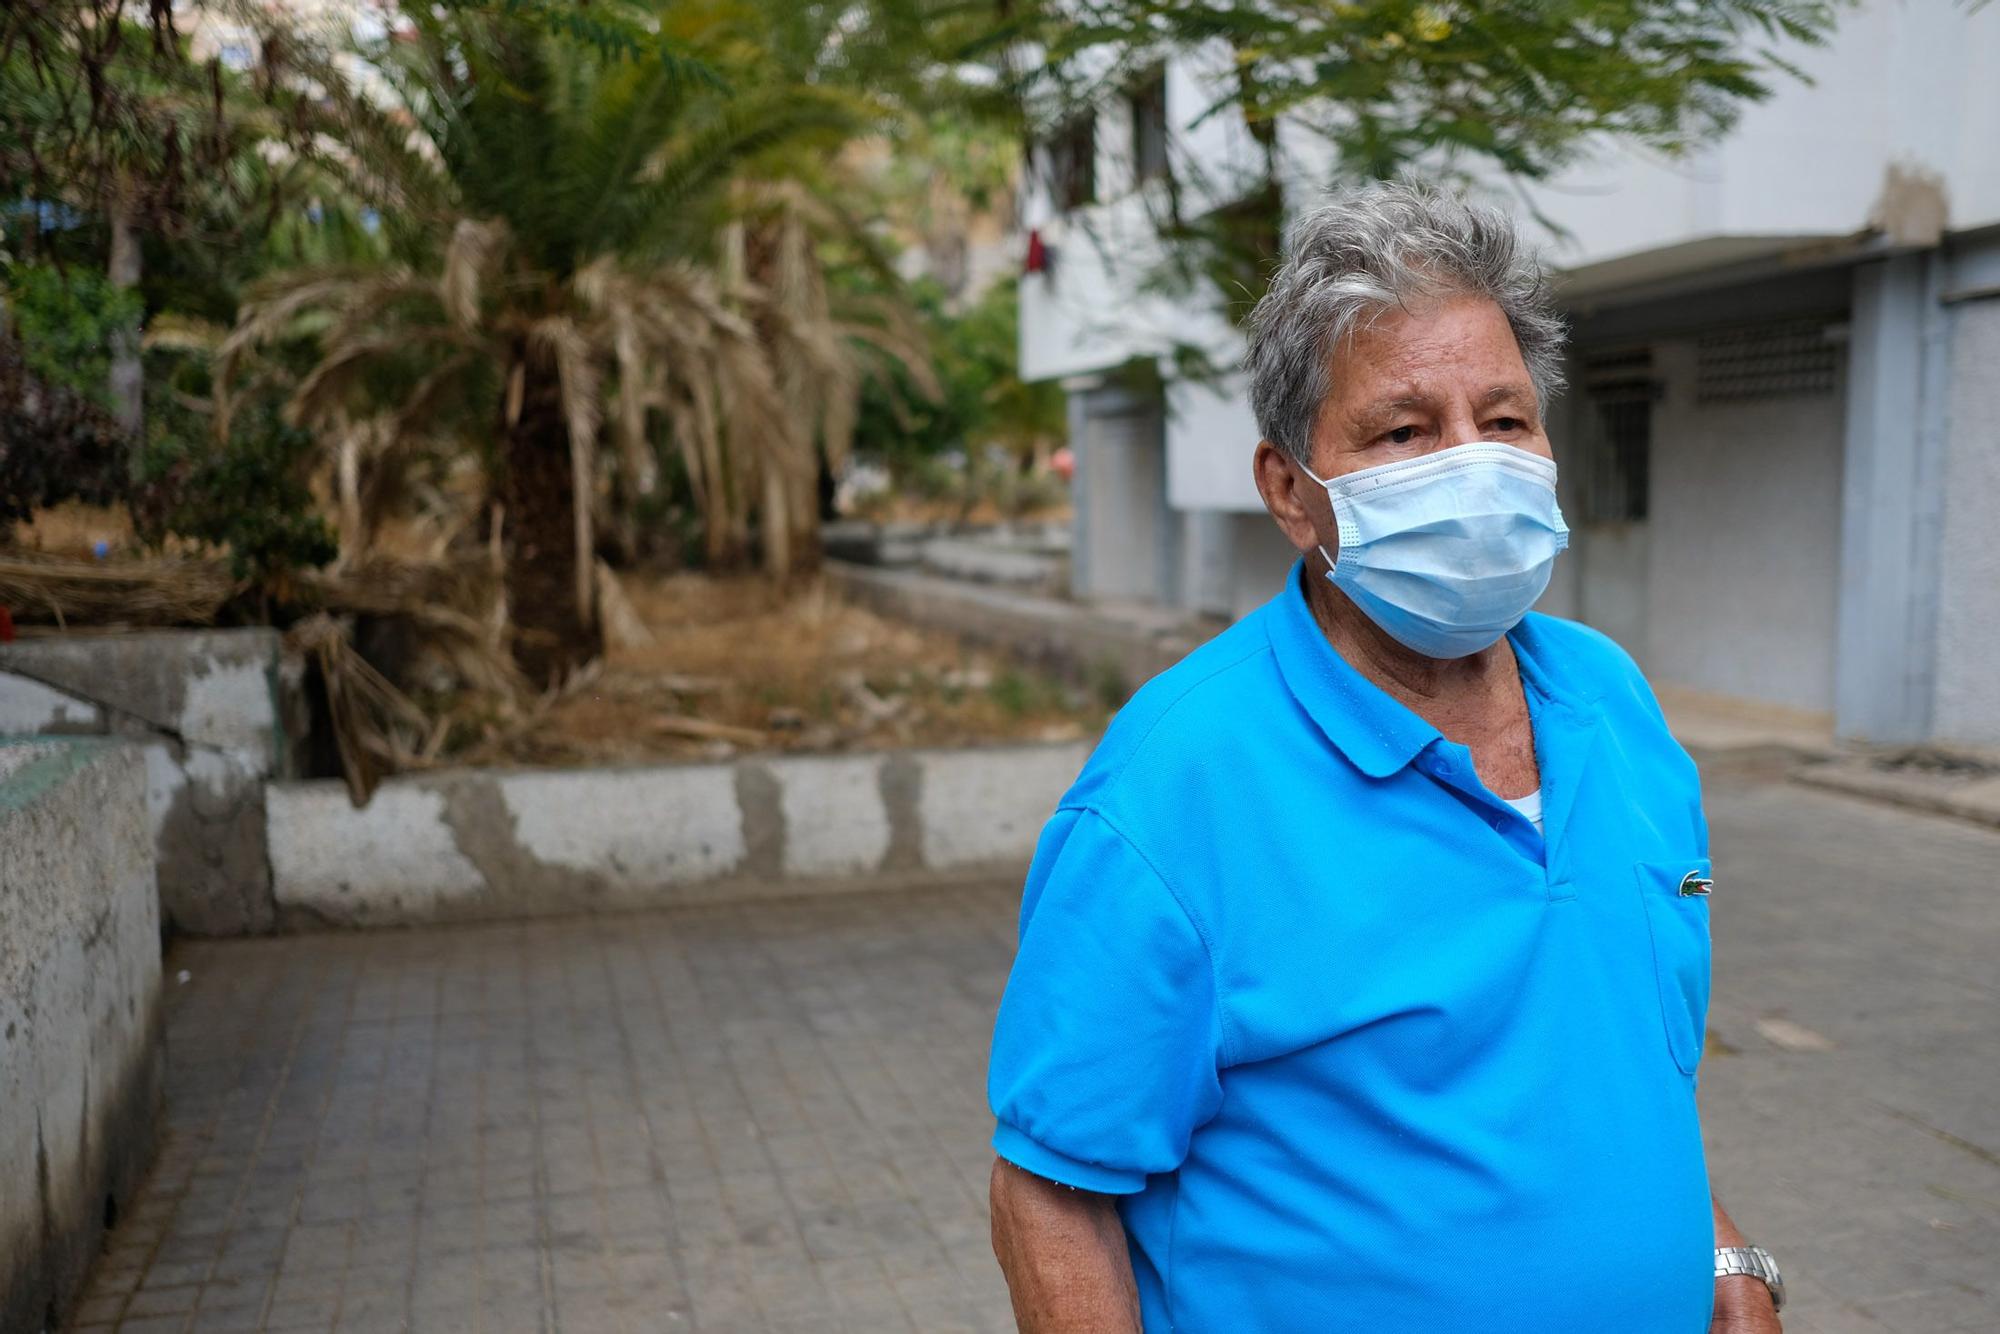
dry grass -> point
(742, 665)
(75, 529)
(69, 591)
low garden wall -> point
(80, 1035)
(216, 715)
(242, 847)
(484, 844)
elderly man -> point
(1363, 971)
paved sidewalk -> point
(758, 1118)
(770, 1117)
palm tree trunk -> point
(551, 633)
(128, 374)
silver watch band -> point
(1753, 1262)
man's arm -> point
(1742, 1303)
(1064, 1255)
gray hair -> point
(1365, 251)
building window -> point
(1072, 163)
(1766, 360)
(1149, 128)
(1619, 392)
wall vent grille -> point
(1767, 361)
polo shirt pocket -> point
(1675, 895)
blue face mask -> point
(1448, 551)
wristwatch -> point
(1757, 1263)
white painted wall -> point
(1211, 440)
(1088, 313)
(1909, 82)
(1748, 608)
(1744, 540)
(1612, 565)
(1092, 312)
(1967, 707)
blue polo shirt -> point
(1355, 1046)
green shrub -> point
(247, 493)
(65, 321)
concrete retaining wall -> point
(1110, 648)
(208, 709)
(80, 1048)
(480, 844)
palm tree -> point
(567, 221)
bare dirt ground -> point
(741, 664)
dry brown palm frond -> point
(377, 729)
(350, 443)
(273, 310)
(602, 288)
(324, 390)
(169, 332)
(474, 252)
(462, 583)
(623, 626)
(447, 604)
(277, 301)
(753, 406)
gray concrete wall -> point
(1259, 559)
(1565, 424)
(1743, 552)
(1207, 551)
(482, 844)
(80, 1049)
(208, 710)
(1968, 662)
(1127, 544)
(1885, 682)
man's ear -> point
(1283, 488)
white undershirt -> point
(1530, 806)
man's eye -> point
(1402, 435)
(1507, 424)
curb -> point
(1977, 801)
(473, 845)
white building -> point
(1781, 448)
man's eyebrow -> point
(1380, 412)
(1508, 393)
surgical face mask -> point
(1448, 551)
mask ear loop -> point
(1326, 487)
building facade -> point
(1780, 448)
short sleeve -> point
(1108, 1047)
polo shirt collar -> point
(1377, 734)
